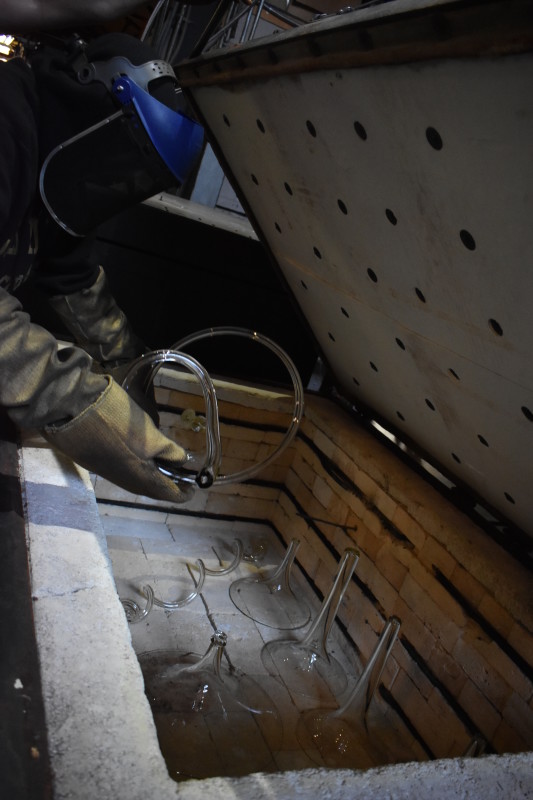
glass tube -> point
(298, 410)
(141, 375)
(306, 665)
(272, 601)
(144, 370)
(476, 746)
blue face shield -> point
(144, 148)
(176, 138)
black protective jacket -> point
(38, 383)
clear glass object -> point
(238, 551)
(211, 721)
(134, 612)
(271, 601)
(181, 602)
(346, 737)
(476, 746)
(306, 666)
(140, 378)
(255, 552)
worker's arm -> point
(87, 416)
(17, 16)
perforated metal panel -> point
(397, 199)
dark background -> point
(174, 276)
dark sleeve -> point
(66, 264)
(19, 155)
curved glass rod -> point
(173, 605)
(238, 550)
(134, 612)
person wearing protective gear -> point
(97, 129)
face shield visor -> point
(143, 148)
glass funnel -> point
(347, 737)
(211, 721)
(305, 666)
(272, 601)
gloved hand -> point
(98, 325)
(116, 439)
(86, 415)
(101, 328)
(144, 398)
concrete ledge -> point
(102, 738)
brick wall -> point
(463, 661)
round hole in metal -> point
(400, 344)
(495, 327)
(360, 131)
(430, 404)
(482, 440)
(288, 188)
(373, 366)
(342, 206)
(434, 138)
(260, 125)
(420, 295)
(310, 127)
(345, 312)
(317, 252)
(528, 414)
(467, 239)
(391, 216)
(509, 497)
(372, 275)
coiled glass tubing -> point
(298, 410)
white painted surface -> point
(396, 200)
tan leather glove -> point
(116, 439)
(101, 328)
(86, 415)
(98, 325)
